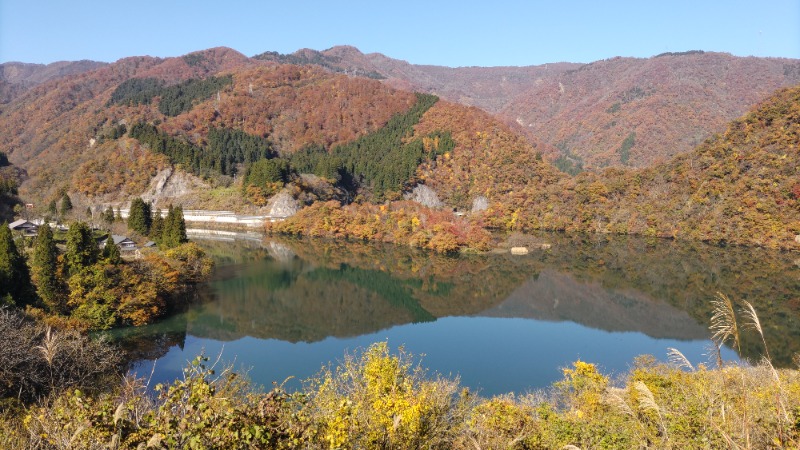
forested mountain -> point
(59, 130)
(245, 128)
(17, 77)
(635, 112)
(616, 112)
(105, 134)
(742, 187)
(489, 88)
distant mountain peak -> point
(340, 59)
(343, 50)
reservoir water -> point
(281, 309)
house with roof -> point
(123, 242)
(25, 227)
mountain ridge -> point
(68, 135)
(619, 111)
(672, 101)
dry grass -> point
(723, 323)
(679, 359)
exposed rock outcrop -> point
(283, 205)
(169, 185)
(425, 196)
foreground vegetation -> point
(380, 399)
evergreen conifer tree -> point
(174, 233)
(66, 205)
(180, 225)
(139, 218)
(111, 252)
(108, 215)
(15, 280)
(157, 228)
(44, 269)
(82, 250)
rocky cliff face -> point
(172, 186)
(283, 205)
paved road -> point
(220, 217)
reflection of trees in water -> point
(687, 275)
(336, 288)
(683, 275)
(150, 342)
(302, 302)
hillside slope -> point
(490, 158)
(16, 77)
(55, 128)
(488, 88)
(740, 187)
(617, 112)
(636, 112)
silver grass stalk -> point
(647, 402)
(49, 347)
(119, 413)
(679, 359)
(613, 398)
(752, 322)
(723, 322)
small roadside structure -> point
(25, 227)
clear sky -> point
(450, 33)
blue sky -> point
(450, 33)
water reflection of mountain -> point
(556, 296)
(301, 302)
(309, 290)
(298, 302)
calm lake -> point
(282, 308)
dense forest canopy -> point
(174, 100)
(383, 161)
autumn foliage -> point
(671, 102)
(296, 107)
(738, 188)
(735, 188)
(489, 158)
(402, 222)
